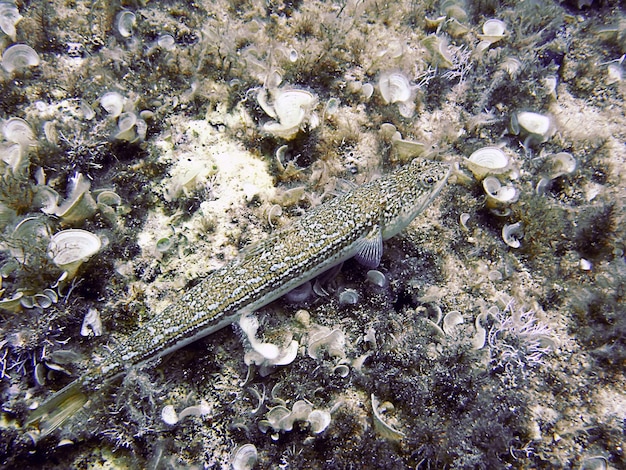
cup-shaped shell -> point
(291, 106)
(438, 49)
(394, 87)
(19, 131)
(561, 163)
(538, 127)
(497, 194)
(125, 21)
(71, 248)
(19, 56)
(493, 30)
(486, 161)
(9, 17)
(511, 234)
(167, 42)
(319, 420)
(244, 457)
(113, 103)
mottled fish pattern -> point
(353, 224)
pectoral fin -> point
(370, 248)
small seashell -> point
(17, 130)
(348, 297)
(383, 428)
(497, 194)
(594, 463)
(585, 265)
(377, 278)
(9, 17)
(42, 301)
(332, 106)
(561, 163)
(291, 107)
(108, 198)
(303, 317)
(319, 420)
(479, 339)
(438, 49)
(512, 233)
(52, 295)
(113, 103)
(196, 410)
(342, 370)
(92, 324)
(538, 127)
(125, 21)
(71, 248)
(169, 415)
(333, 341)
(40, 374)
(244, 457)
(511, 65)
(388, 131)
(367, 90)
(167, 42)
(408, 148)
(79, 204)
(12, 304)
(493, 30)
(19, 56)
(463, 219)
(450, 320)
(394, 87)
(27, 301)
(164, 244)
(487, 160)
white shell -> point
(167, 42)
(561, 163)
(244, 457)
(290, 108)
(19, 56)
(70, 248)
(394, 87)
(168, 415)
(512, 233)
(487, 160)
(497, 194)
(348, 297)
(113, 103)
(333, 341)
(125, 21)
(493, 30)
(451, 320)
(377, 278)
(92, 323)
(19, 131)
(9, 17)
(319, 420)
(535, 124)
(383, 428)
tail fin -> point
(53, 412)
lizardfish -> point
(351, 225)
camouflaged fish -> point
(352, 225)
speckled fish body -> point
(353, 224)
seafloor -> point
(156, 125)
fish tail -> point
(53, 412)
